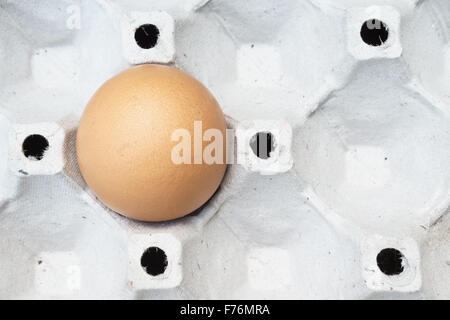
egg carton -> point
(349, 199)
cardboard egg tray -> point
(350, 202)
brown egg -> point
(124, 143)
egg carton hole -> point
(374, 32)
(34, 147)
(391, 261)
(262, 144)
(147, 36)
(154, 261)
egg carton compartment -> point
(347, 196)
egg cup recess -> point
(127, 137)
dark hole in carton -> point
(374, 32)
(154, 261)
(262, 144)
(146, 36)
(34, 146)
(390, 261)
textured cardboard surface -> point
(370, 149)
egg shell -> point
(124, 144)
